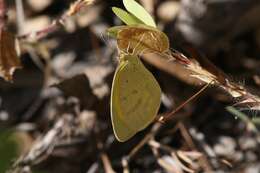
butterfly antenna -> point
(105, 40)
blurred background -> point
(55, 115)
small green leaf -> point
(139, 12)
(127, 18)
(243, 117)
(113, 31)
(8, 149)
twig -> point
(57, 23)
(125, 165)
(155, 146)
(106, 163)
(149, 136)
(187, 137)
(104, 157)
(169, 116)
(42, 146)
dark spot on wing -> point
(134, 92)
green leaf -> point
(127, 18)
(113, 31)
(139, 12)
(243, 117)
(8, 149)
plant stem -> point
(3, 15)
(57, 23)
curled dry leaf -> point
(9, 61)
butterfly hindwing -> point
(135, 98)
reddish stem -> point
(56, 24)
(2, 14)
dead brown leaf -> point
(9, 61)
(78, 86)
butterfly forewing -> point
(140, 39)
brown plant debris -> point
(9, 61)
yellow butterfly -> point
(135, 95)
